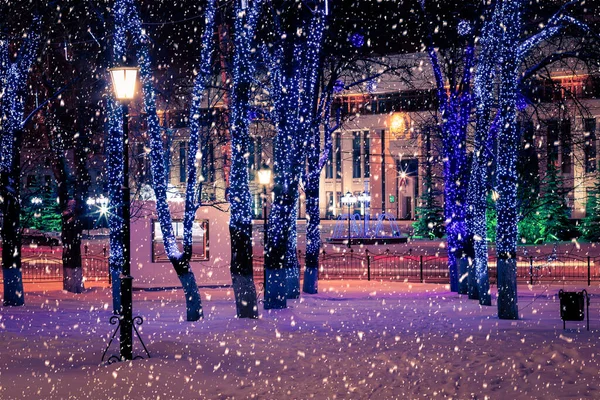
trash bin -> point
(573, 306)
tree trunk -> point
(71, 256)
(241, 271)
(472, 286)
(463, 274)
(11, 240)
(506, 230)
(277, 247)
(292, 266)
(455, 188)
(193, 303)
(240, 199)
(313, 238)
(507, 288)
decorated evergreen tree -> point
(43, 211)
(554, 211)
(590, 225)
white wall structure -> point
(147, 274)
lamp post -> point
(264, 178)
(349, 199)
(364, 199)
(124, 79)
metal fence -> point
(555, 267)
(49, 268)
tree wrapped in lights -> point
(316, 160)
(240, 222)
(127, 19)
(14, 72)
(114, 160)
(454, 106)
(477, 199)
(309, 123)
(293, 66)
(506, 175)
(512, 53)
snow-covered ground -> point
(352, 340)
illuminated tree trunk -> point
(13, 79)
(240, 199)
(455, 195)
(292, 266)
(294, 75)
(313, 233)
(455, 109)
(479, 284)
(114, 163)
(11, 234)
(114, 170)
(316, 160)
(127, 19)
(506, 231)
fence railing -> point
(555, 267)
(49, 268)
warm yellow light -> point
(124, 79)
(398, 124)
(264, 175)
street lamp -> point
(349, 199)
(364, 199)
(124, 82)
(264, 178)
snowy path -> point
(354, 340)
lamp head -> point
(348, 199)
(124, 81)
(264, 175)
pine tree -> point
(528, 190)
(429, 213)
(430, 217)
(41, 211)
(49, 212)
(554, 210)
(590, 226)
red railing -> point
(555, 267)
(48, 267)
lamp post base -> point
(125, 325)
(117, 320)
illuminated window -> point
(366, 154)
(356, 167)
(199, 240)
(589, 128)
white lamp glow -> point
(264, 175)
(364, 197)
(349, 199)
(123, 79)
